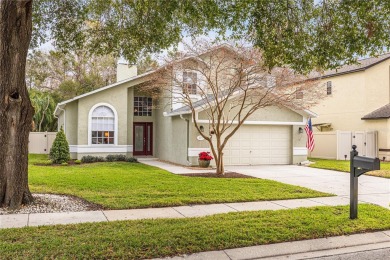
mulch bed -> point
(214, 175)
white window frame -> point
(329, 88)
(90, 125)
(196, 84)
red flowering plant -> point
(205, 156)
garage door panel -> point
(234, 144)
(259, 145)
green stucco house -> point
(122, 119)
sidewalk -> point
(305, 249)
(43, 219)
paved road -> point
(371, 189)
(379, 254)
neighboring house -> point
(122, 119)
(357, 110)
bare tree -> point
(229, 84)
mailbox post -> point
(358, 166)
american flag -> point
(310, 138)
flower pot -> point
(204, 163)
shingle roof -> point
(380, 113)
(362, 65)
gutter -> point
(188, 138)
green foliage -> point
(146, 239)
(64, 164)
(47, 162)
(146, 64)
(121, 185)
(44, 105)
(92, 159)
(66, 75)
(131, 160)
(343, 166)
(109, 158)
(59, 152)
(303, 34)
(77, 162)
(116, 158)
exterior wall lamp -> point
(300, 130)
(201, 128)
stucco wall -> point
(355, 95)
(72, 123)
(171, 136)
(271, 113)
(77, 118)
(268, 114)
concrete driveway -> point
(371, 189)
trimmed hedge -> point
(109, 158)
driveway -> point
(371, 189)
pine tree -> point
(59, 152)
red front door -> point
(143, 139)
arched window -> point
(103, 125)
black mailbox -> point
(358, 166)
(365, 164)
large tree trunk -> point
(15, 107)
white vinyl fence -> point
(337, 145)
(41, 142)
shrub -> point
(116, 158)
(205, 156)
(131, 160)
(64, 164)
(59, 152)
(77, 162)
(91, 159)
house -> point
(357, 110)
(122, 118)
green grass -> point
(167, 237)
(134, 185)
(343, 166)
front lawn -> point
(343, 166)
(121, 185)
(168, 237)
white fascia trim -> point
(101, 148)
(103, 88)
(311, 113)
(300, 151)
(90, 123)
(195, 151)
(260, 122)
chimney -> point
(125, 71)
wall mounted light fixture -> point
(201, 128)
(300, 130)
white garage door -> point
(253, 145)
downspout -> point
(188, 137)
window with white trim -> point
(143, 106)
(329, 88)
(103, 125)
(190, 81)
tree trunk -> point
(219, 163)
(15, 107)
